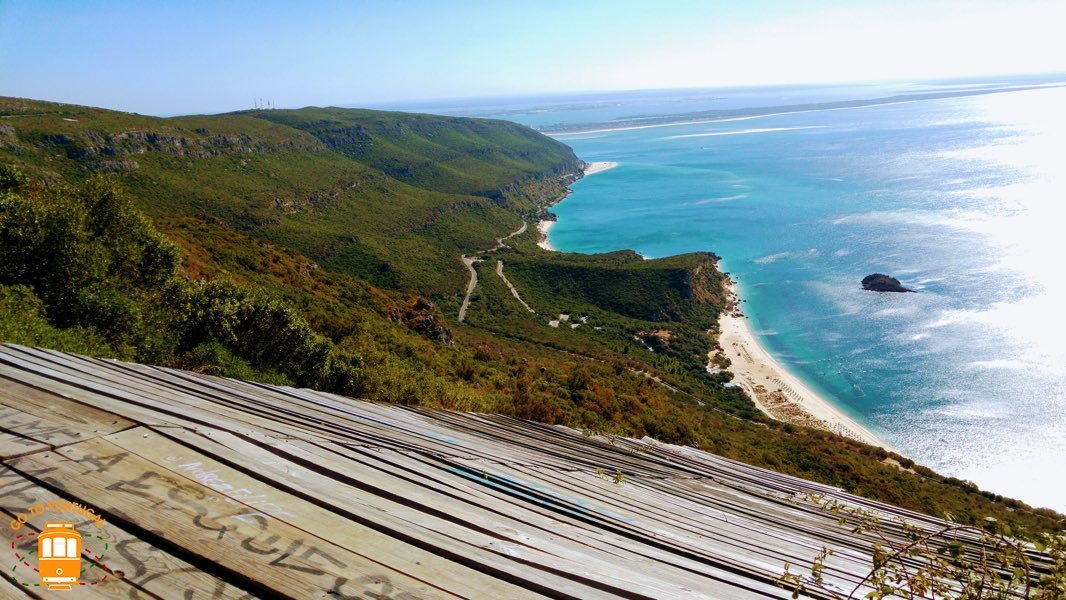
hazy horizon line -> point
(429, 101)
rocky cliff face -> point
(200, 144)
(707, 282)
(537, 194)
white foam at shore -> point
(598, 167)
(543, 227)
(754, 366)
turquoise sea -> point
(962, 198)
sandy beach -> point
(598, 167)
(775, 390)
(543, 227)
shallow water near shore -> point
(960, 198)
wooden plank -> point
(12, 445)
(22, 575)
(609, 451)
(46, 430)
(550, 446)
(578, 501)
(8, 588)
(530, 516)
(431, 527)
(210, 395)
(200, 466)
(140, 408)
(620, 498)
(261, 553)
(315, 414)
(56, 408)
(690, 522)
(110, 384)
(45, 379)
(136, 567)
(391, 426)
(239, 400)
(364, 481)
(609, 506)
(413, 526)
(484, 528)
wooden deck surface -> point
(214, 488)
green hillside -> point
(280, 183)
(446, 154)
(322, 248)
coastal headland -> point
(773, 388)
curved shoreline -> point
(545, 225)
(775, 390)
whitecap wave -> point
(789, 255)
(716, 200)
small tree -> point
(12, 178)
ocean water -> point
(963, 199)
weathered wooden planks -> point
(128, 566)
(197, 464)
(246, 545)
(219, 488)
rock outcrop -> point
(879, 282)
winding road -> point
(510, 286)
(470, 261)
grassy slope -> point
(349, 215)
(447, 154)
(277, 183)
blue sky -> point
(174, 57)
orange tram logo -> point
(60, 549)
(59, 555)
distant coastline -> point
(773, 388)
(743, 114)
(545, 225)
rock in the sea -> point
(879, 282)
